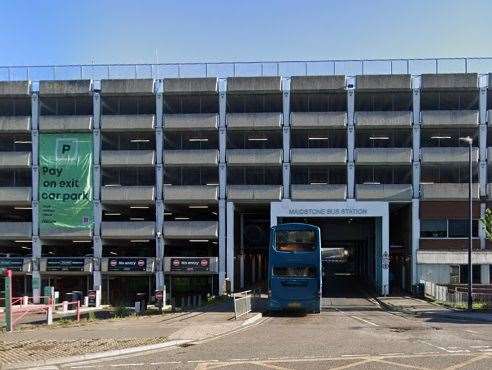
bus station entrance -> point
(354, 241)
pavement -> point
(353, 331)
(42, 344)
(349, 333)
(428, 309)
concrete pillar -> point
(36, 242)
(36, 286)
(416, 175)
(96, 173)
(286, 137)
(241, 253)
(159, 189)
(230, 243)
(222, 245)
(385, 250)
(483, 85)
(222, 138)
(223, 208)
(415, 238)
(416, 81)
(485, 274)
(350, 83)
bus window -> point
(295, 240)
(305, 272)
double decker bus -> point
(294, 268)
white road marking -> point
(479, 346)
(164, 363)
(432, 345)
(485, 350)
(425, 353)
(364, 320)
(362, 355)
(201, 361)
(122, 365)
(391, 354)
(239, 359)
(471, 331)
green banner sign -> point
(65, 181)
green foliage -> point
(486, 222)
(64, 322)
(121, 312)
(91, 316)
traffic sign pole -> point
(8, 299)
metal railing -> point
(242, 303)
(284, 68)
(453, 296)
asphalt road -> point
(349, 333)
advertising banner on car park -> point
(65, 181)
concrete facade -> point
(191, 158)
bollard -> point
(86, 301)
(137, 307)
(189, 301)
(78, 311)
(182, 302)
(194, 301)
(49, 315)
(199, 300)
(25, 300)
(64, 306)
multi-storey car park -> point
(192, 168)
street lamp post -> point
(469, 140)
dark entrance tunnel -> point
(347, 254)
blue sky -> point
(128, 31)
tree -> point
(486, 222)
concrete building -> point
(190, 173)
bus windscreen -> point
(295, 240)
(305, 272)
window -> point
(476, 274)
(447, 228)
(295, 241)
(433, 228)
(305, 272)
(454, 274)
(459, 228)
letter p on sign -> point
(66, 149)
